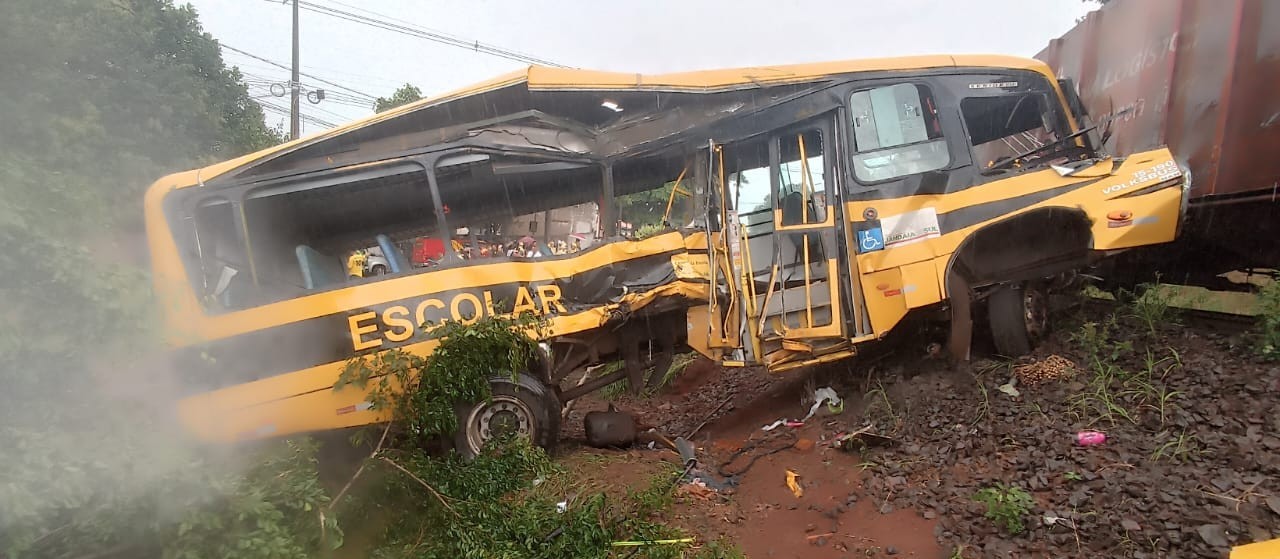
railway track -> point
(1198, 318)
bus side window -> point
(223, 267)
(896, 133)
(802, 195)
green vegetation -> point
(491, 506)
(457, 372)
(407, 93)
(1114, 392)
(98, 100)
(1006, 505)
(619, 388)
(1152, 305)
(1177, 448)
(1072, 476)
(1269, 321)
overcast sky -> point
(645, 37)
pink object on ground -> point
(1090, 438)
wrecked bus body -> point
(788, 214)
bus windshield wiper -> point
(1021, 157)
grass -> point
(880, 398)
(1072, 476)
(618, 389)
(1153, 306)
(984, 406)
(1114, 393)
(1100, 400)
(1268, 342)
(1006, 505)
(1177, 449)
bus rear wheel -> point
(522, 407)
(1019, 317)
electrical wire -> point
(302, 116)
(430, 35)
(279, 65)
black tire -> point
(1018, 315)
(524, 405)
(378, 269)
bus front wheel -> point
(522, 406)
(1019, 317)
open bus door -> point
(780, 194)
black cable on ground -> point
(787, 436)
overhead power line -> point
(422, 33)
(305, 117)
(282, 66)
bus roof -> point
(541, 78)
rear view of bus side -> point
(778, 217)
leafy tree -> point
(98, 100)
(406, 94)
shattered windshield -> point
(1006, 120)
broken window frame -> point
(1054, 117)
(432, 163)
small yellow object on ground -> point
(651, 542)
(791, 483)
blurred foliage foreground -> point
(98, 99)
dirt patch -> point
(760, 513)
(1188, 468)
(1191, 465)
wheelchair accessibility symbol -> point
(870, 240)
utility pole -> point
(294, 85)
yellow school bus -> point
(776, 216)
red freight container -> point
(1201, 76)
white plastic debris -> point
(562, 506)
(825, 395)
(1008, 388)
(774, 425)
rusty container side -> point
(1197, 75)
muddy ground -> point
(1191, 465)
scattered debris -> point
(1052, 368)
(804, 445)
(1090, 438)
(825, 395)
(697, 488)
(708, 417)
(643, 543)
(793, 484)
(859, 439)
(609, 428)
(1009, 388)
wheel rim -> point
(1035, 312)
(503, 415)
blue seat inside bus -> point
(318, 268)
(395, 259)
